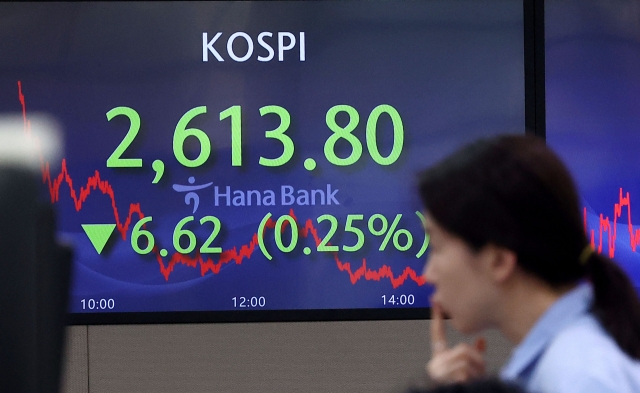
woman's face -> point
(461, 276)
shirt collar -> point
(565, 310)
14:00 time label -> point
(398, 300)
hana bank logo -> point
(283, 40)
(191, 195)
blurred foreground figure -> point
(508, 250)
(34, 269)
(481, 386)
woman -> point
(508, 250)
(479, 386)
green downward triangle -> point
(99, 234)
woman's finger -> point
(438, 333)
(458, 364)
(465, 352)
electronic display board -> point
(593, 117)
(255, 160)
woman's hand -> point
(458, 364)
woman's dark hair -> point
(514, 192)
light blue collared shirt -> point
(567, 350)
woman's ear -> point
(500, 262)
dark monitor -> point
(593, 117)
(256, 161)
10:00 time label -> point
(98, 304)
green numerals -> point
(349, 227)
(294, 233)
(182, 133)
(179, 234)
(206, 247)
(114, 160)
(137, 233)
(359, 234)
(346, 133)
(332, 230)
(234, 113)
(372, 137)
(279, 134)
(286, 235)
(342, 132)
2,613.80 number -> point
(234, 113)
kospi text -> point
(283, 41)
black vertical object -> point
(34, 284)
(53, 272)
(534, 85)
(18, 300)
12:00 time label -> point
(249, 302)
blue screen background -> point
(452, 70)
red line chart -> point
(605, 225)
(237, 255)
